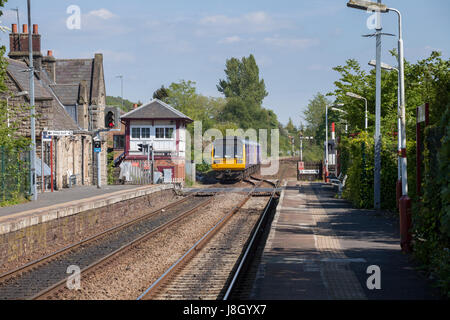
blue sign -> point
(97, 146)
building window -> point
(169, 133)
(119, 142)
(136, 133)
(145, 133)
(159, 133)
(164, 133)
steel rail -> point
(250, 244)
(60, 286)
(184, 259)
(51, 257)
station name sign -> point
(309, 171)
(54, 133)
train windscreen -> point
(228, 148)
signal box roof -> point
(154, 110)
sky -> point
(296, 43)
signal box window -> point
(159, 133)
(145, 133)
(164, 133)
(136, 133)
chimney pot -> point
(135, 106)
(25, 28)
(50, 53)
(35, 29)
(14, 28)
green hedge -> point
(431, 215)
(357, 161)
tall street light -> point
(326, 134)
(33, 189)
(354, 95)
(121, 87)
(405, 201)
(398, 188)
(378, 7)
(344, 112)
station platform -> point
(58, 204)
(319, 248)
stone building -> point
(70, 95)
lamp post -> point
(121, 87)
(33, 189)
(301, 144)
(405, 201)
(378, 7)
(354, 95)
(398, 188)
(345, 112)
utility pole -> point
(405, 201)
(121, 88)
(33, 189)
(377, 169)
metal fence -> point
(14, 174)
(139, 172)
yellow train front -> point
(234, 158)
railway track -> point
(27, 281)
(203, 271)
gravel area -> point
(137, 269)
(205, 276)
(156, 202)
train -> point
(235, 158)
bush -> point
(431, 216)
(357, 161)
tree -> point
(161, 93)
(243, 81)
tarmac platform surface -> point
(65, 195)
(319, 248)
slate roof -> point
(156, 109)
(15, 69)
(67, 93)
(72, 72)
(61, 119)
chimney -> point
(18, 44)
(135, 106)
(49, 64)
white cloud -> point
(104, 14)
(297, 43)
(230, 40)
(252, 22)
